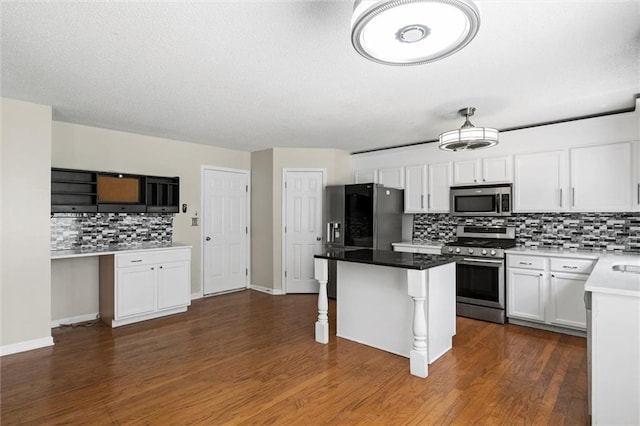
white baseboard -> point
(197, 295)
(26, 346)
(272, 291)
(73, 320)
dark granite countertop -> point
(387, 258)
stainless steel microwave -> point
(481, 200)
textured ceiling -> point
(251, 75)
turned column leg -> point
(321, 273)
(418, 357)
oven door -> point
(480, 282)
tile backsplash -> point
(582, 231)
(101, 230)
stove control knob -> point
(492, 252)
(457, 249)
(450, 249)
(484, 252)
(470, 251)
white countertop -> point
(603, 279)
(419, 244)
(65, 254)
(559, 252)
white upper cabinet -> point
(601, 178)
(427, 188)
(485, 170)
(392, 178)
(415, 189)
(497, 169)
(539, 182)
(365, 176)
(440, 180)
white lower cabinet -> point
(525, 294)
(144, 285)
(540, 290)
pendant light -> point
(412, 32)
(468, 137)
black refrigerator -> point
(363, 215)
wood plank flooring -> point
(251, 358)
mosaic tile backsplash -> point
(102, 230)
(582, 231)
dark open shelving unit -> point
(80, 191)
(163, 194)
(73, 191)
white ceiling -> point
(251, 75)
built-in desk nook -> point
(139, 283)
(403, 303)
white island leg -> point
(321, 274)
(418, 357)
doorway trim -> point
(204, 168)
(285, 171)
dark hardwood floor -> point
(251, 358)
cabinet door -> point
(174, 285)
(415, 191)
(601, 177)
(525, 294)
(439, 183)
(392, 178)
(567, 300)
(539, 182)
(466, 172)
(636, 181)
(497, 169)
(135, 291)
(365, 176)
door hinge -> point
(246, 229)
(285, 229)
(285, 184)
(246, 272)
(246, 188)
(285, 274)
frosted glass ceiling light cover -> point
(468, 137)
(412, 32)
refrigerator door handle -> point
(329, 236)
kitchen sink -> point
(635, 269)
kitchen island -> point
(403, 303)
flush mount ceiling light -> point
(412, 32)
(468, 137)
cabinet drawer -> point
(525, 262)
(164, 256)
(578, 266)
(134, 259)
(429, 250)
(405, 249)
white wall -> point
(84, 147)
(25, 283)
(601, 130)
(266, 202)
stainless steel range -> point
(480, 270)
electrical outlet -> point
(194, 221)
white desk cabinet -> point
(144, 285)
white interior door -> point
(225, 232)
(303, 229)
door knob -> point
(208, 239)
(318, 239)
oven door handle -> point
(497, 262)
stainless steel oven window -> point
(480, 282)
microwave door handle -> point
(499, 201)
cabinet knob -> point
(152, 268)
(208, 239)
(161, 267)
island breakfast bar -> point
(373, 307)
